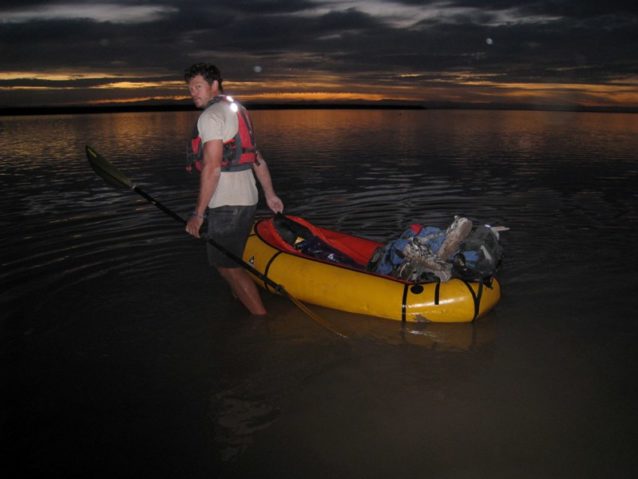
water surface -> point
(123, 354)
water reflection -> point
(429, 336)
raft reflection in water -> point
(288, 322)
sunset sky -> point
(559, 52)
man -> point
(227, 190)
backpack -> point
(416, 254)
(412, 256)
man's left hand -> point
(275, 204)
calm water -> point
(124, 355)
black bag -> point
(479, 256)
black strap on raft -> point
(267, 268)
(417, 288)
(404, 302)
(476, 297)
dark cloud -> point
(583, 9)
(565, 8)
(263, 7)
(538, 41)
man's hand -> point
(275, 203)
(193, 225)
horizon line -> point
(311, 105)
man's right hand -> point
(193, 225)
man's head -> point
(209, 72)
(204, 83)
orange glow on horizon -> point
(459, 86)
(590, 87)
(53, 76)
(587, 94)
(129, 85)
(313, 96)
(139, 99)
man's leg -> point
(244, 288)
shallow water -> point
(124, 355)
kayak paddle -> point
(115, 177)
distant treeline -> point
(54, 110)
(80, 109)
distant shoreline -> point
(79, 109)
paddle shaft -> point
(116, 178)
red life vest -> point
(240, 152)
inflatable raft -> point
(351, 288)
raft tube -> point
(355, 290)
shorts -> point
(229, 226)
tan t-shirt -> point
(235, 188)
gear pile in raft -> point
(426, 274)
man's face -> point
(201, 91)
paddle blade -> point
(106, 170)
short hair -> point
(208, 71)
